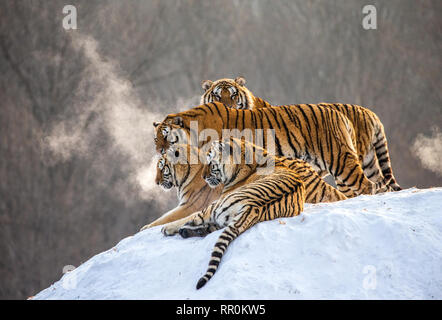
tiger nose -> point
(225, 95)
(204, 174)
(227, 100)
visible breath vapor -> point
(106, 105)
(429, 150)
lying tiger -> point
(371, 142)
(247, 199)
(320, 136)
(194, 194)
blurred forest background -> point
(76, 105)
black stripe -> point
(349, 174)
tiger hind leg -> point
(371, 169)
(350, 177)
(394, 185)
(383, 158)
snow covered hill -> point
(386, 246)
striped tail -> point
(383, 156)
(227, 236)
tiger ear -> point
(156, 124)
(206, 84)
(240, 81)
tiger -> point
(247, 199)
(371, 141)
(192, 191)
(323, 137)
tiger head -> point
(213, 172)
(230, 92)
(174, 166)
(167, 133)
(164, 173)
(227, 162)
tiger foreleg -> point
(175, 214)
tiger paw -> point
(187, 232)
(367, 187)
(147, 226)
(169, 230)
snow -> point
(386, 246)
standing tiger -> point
(323, 137)
(193, 193)
(371, 142)
(248, 198)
